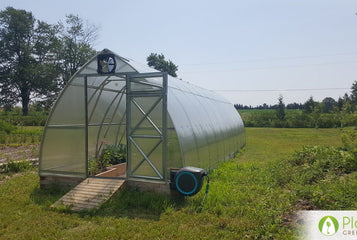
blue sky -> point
(249, 51)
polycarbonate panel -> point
(140, 164)
(70, 108)
(141, 106)
(183, 126)
(141, 86)
(206, 121)
(174, 158)
(103, 106)
(63, 152)
(210, 129)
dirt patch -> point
(15, 152)
(292, 218)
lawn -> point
(245, 201)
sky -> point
(249, 51)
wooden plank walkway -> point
(90, 193)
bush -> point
(280, 123)
(313, 164)
(328, 120)
(36, 120)
(297, 119)
(111, 155)
(93, 167)
(14, 167)
(22, 135)
(349, 140)
(6, 127)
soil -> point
(15, 152)
(293, 218)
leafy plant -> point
(93, 166)
(349, 140)
(314, 163)
(114, 154)
(6, 127)
(16, 166)
(111, 155)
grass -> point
(22, 135)
(247, 200)
(267, 144)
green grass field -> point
(250, 197)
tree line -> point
(328, 104)
(38, 58)
(327, 113)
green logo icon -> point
(328, 225)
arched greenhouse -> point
(154, 122)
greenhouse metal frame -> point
(165, 123)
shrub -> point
(36, 120)
(314, 163)
(111, 155)
(328, 120)
(15, 167)
(93, 167)
(349, 140)
(114, 154)
(6, 127)
(297, 119)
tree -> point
(354, 93)
(27, 63)
(158, 62)
(340, 103)
(280, 111)
(328, 105)
(77, 40)
(310, 105)
(294, 106)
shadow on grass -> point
(46, 197)
(135, 204)
(123, 204)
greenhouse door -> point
(146, 109)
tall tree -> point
(158, 62)
(310, 105)
(27, 63)
(354, 93)
(329, 104)
(280, 111)
(77, 38)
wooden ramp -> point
(90, 193)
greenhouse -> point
(148, 122)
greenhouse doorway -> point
(146, 125)
(130, 141)
(105, 115)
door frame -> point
(160, 91)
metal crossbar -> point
(148, 155)
(146, 158)
(146, 116)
